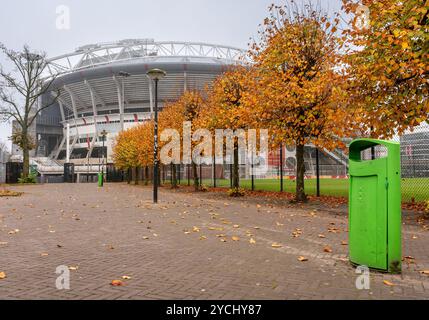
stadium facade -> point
(105, 87)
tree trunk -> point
(300, 170)
(174, 176)
(196, 179)
(136, 177)
(235, 172)
(146, 175)
(26, 160)
(129, 177)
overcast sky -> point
(227, 22)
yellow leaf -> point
(276, 245)
(302, 259)
(2, 275)
(388, 283)
(252, 241)
(126, 277)
(234, 238)
(116, 283)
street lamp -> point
(156, 75)
(101, 179)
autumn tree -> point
(224, 109)
(20, 90)
(298, 95)
(388, 63)
(191, 104)
(126, 151)
(145, 137)
(172, 116)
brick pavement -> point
(175, 250)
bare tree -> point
(20, 90)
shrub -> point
(31, 179)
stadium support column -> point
(120, 102)
(93, 95)
(74, 101)
(68, 143)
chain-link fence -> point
(330, 167)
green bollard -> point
(375, 207)
(100, 179)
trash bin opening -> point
(376, 152)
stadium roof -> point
(95, 55)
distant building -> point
(415, 155)
(4, 158)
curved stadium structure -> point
(105, 87)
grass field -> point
(417, 188)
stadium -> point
(104, 87)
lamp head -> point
(156, 74)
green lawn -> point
(417, 188)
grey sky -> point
(228, 22)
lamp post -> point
(101, 179)
(156, 75)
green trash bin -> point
(375, 206)
(100, 179)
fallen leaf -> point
(425, 272)
(256, 228)
(279, 224)
(44, 254)
(2, 275)
(327, 249)
(296, 233)
(126, 277)
(223, 239)
(344, 243)
(3, 243)
(322, 236)
(73, 268)
(236, 226)
(302, 259)
(252, 241)
(276, 245)
(117, 283)
(145, 238)
(234, 238)
(203, 238)
(196, 229)
(388, 283)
